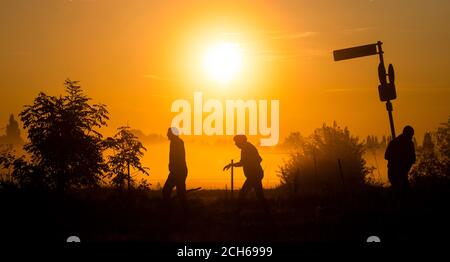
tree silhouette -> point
(428, 170)
(127, 153)
(64, 144)
(433, 165)
(443, 145)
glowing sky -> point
(139, 56)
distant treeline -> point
(12, 134)
(150, 138)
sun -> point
(223, 61)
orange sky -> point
(139, 56)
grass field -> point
(108, 215)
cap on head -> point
(240, 139)
(174, 131)
(408, 131)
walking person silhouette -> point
(251, 163)
(177, 169)
(400, 154)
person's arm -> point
(238, 164)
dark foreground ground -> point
(108, 215)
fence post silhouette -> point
(374, 152)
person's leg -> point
(394, 175)
(242, 193)
(391, 177)
(181, 192)
(167, 189)
(257, 185)
(403, 187)
(404, 181)
(166, 192)
(398, 180)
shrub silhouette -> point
(314, 166)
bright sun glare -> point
(223, 61)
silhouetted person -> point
(400, 154)
(177, 168)
(251, 163)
